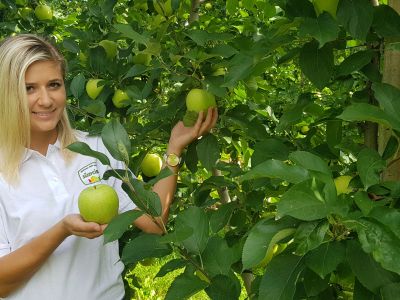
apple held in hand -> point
(197, 100)
(93, 89)
(151, 165)
(98, 203)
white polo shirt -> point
(80, 268)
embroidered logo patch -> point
(89, 174)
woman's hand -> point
(75, 225)
(182, 136)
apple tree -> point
(301, 91)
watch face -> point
(173, 160)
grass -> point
(156, 288)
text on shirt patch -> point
(89, 174)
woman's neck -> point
(40, 141)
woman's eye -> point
(55, 84)
(29, 88)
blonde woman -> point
(46, 250)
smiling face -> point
(46, 97)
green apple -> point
(329, 6)
(304, 129)
(120, 99)
(25, 12)
(142, 59)
(151, 165)
(200, 100)
(43, 12)
(98, 203)
(342, 184)
(93, 89)
(110, 47)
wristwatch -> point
(172, 159)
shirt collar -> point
(52, 148)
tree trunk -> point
(391, 75)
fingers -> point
(210, 121)
(79, 227)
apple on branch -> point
(43, 12)
(151, 165)
(93, 88)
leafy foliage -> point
(258, 181)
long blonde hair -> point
(17, 53)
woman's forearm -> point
(18, 266)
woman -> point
(46, 250)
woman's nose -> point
(44, 97)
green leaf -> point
(281, 276)
(354, 62)
(386, 21)
(388, 97)
(96, 108)
(262, 238)
(84, 149)
(78, 85)
(324, 29)
(231, 6)
(144, 246)
(276, 169)
(221, 216)
(127, 31)
(208, 151)
(334, 134)
(311, 162)
(317, 63)
(376, 239)
(201, 37)
(224, 287)
(391, 148)
(326, 258)
(369, 166)
(364, 203)
(368, 272)
(391, 291)
(196, 219)
(356, 16)
(310, 235)
(184, 286)
(143, 197)
(177, 236)
(368, 112)
(135, 70)
(120, 224)
(116, 140)
(267, 149)
(313, 284)
(361, 293)
(388, 216)
(304, 201)
(170, 266)
(218, 257)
